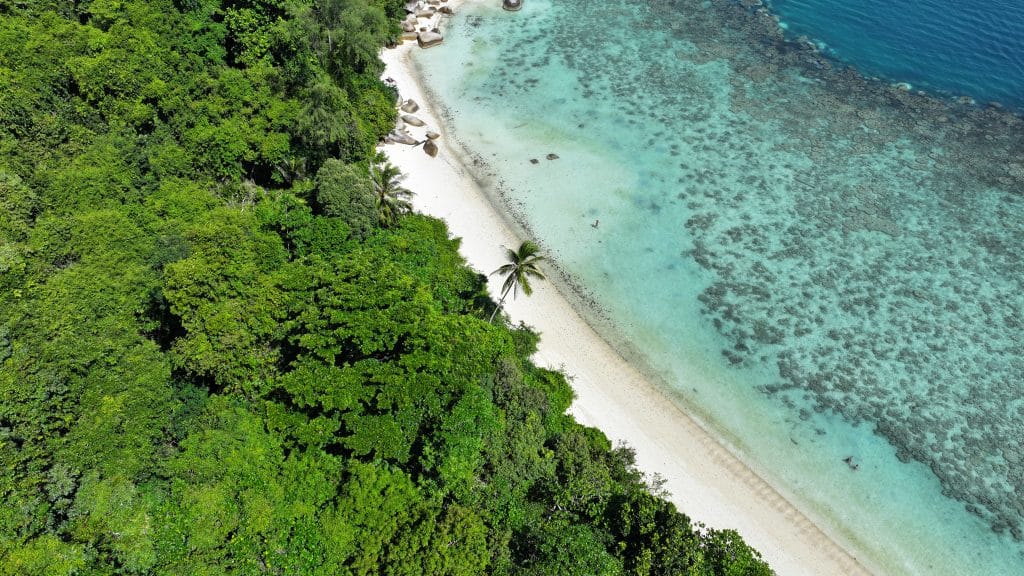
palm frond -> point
(392, 199)
(504, 269)
(535, 273)
(525, 283)
(521, 266)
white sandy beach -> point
(705, 480)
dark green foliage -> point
(345, 191)
(347, 34)
(227, 347)
(558, 546)
(421, 247)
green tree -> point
(346, 191)
(522, 265)
(347, 34)
(652, 536)
(557, 546)
(227, 300)
(327, 127)
(392, 199)
(725, 554)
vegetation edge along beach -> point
(228, 346)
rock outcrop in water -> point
(512, 5)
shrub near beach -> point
(214, 356)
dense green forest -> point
(224, 349)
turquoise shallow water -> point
(818, 265)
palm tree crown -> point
(521, 266)
(390, 196)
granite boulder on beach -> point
(430, 147)
(400, 137)
(412, 120)
(429, 39)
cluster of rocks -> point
(427, 34)
(421, 24)
(401, 135)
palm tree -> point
(522, 265)
(390, 196)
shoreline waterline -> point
(706, 480)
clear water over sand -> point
(818, 266)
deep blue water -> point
(954, 47)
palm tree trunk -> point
(501, 302)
